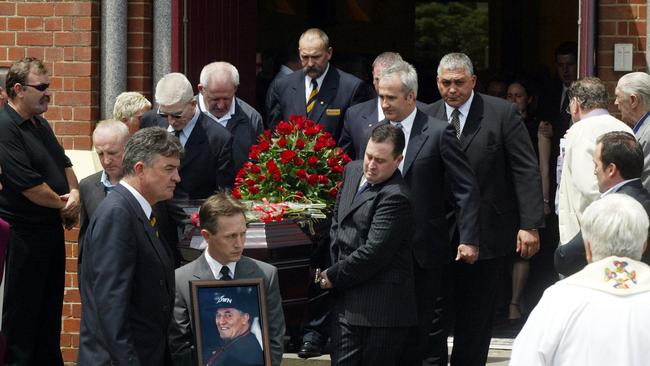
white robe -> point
(590, 319)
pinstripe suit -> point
(372, 272)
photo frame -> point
(224, 336)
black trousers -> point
(360, 346)
(33, 298)
(467, 306)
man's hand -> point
(527, 243)
(467, 253)
(545, 129)
(70, 212)
(324, 281)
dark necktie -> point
(312, 96)
(225, 273)
(565, 104)
(153, 222)
(364, 187)
(177, 133)
(455, 121)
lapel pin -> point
(321, 102)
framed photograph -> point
(230, 322)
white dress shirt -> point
(146, 207)
(407, 126)
(464, 112)
(319, 80)
(215, 266)
(187, 130)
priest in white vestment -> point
(600, 315)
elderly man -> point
(127, 286)
(223, 226)
(578, 186)
(498, 149)
(633, 101)
(217, 88)
(598, 316)
(372, 270)
(319, 91)
(618, 161)
(40, 194)
(129, 108)
(207, 166)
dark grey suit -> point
(127, 287)
(372, 272)
(181, 340)
(499, 150)
(570, 257)
(339, 91)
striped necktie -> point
(312, 96)
(455, 121)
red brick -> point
(67, 143)
(82, 143)
(7, 8)
(607, 43)
(621, 29)
(37, 52)
(82, 84)
(607, 28)
(35, 9)
(68, 53)
(67, 24)
(72, 69)
(76, 310)
(52, 24)
(53, 54)
(66, 340)
(83, 54)
(83, 24)
(75, 339)
(66, 113)
(139, 54)
(640, 46)
(72, 38)
(34, 39)
(141, 9)
(70, 325)
(76, 8)
(69, 354)
(637, 28)
(3, 24)
(621, 12)
(84, 114)
(7, 38)
(16, 23)
(643, 13)
(139, 69)
(34, 23)
(68, 84)
(605, 59)
(70, 263)
(68, 98)
(71, 295)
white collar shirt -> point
(463, 109)
(215, 266)
(319, 80)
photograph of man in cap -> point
(233, 318)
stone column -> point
(162, 39)
(113, 58)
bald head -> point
(173, 89)
(109, 138)
(219, 82)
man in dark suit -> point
(223, 226)
(372, 274)
(217, 88)
(319, 91)
(109, 140)
(207, 165)
(498, 149)
(127, 287)
(619, 164)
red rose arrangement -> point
(299, 163)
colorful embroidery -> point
(620, 275)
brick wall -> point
(66, 36)
(620, 21)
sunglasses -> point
(176, 115)
(40, 87)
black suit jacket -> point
(371, 251)
(127, 287)
(339, 91)
(498, 148)
(244, 135)
(207, 163)
(571, 257)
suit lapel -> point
(326, 93)
(196, 138)
(202, 270)
(297, 95)
(473, 121)
(244, 269)
(351, 202)
(238, 118)
(416, 140)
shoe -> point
(309, 350)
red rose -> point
(337, 169)
(266, 135)
(331, 143)
(295, 118)
(284, 128)
(287, 155)
(249, 181)
(264, 146)
(322, 179)
(300, 194)
(312, 179)
(301, 174)
(255, 169)
(276, 177)
(300, 144)
(261, 178)
(333, 161)
(318, 146)
(271, 166)
(333, 192)
(312, 161)
(236, 193)
(312, 131)
(254, 189)
(282, 142)
(298, 161)
(281, 189)
(253, 152)
(345, 159)
(309, 123)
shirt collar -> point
(319, 80)
(380, 112)
(215, 266)
(105, 181)
(595, 112)
(187, 130)
(226, 117)
(407, 123)
(146, 207)
(616, 187)
(463, 109)
(640, 123)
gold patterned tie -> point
(312, 96)
(153, 222)
(455, 121)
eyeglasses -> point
(40, 87)
(176, 115)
